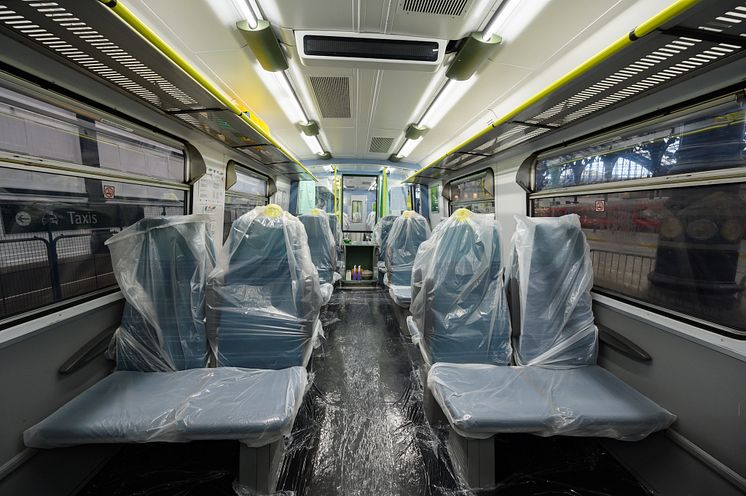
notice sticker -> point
(600, 206)
(109, 191)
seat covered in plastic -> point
(554, 275)
(322, 245)
(257, 407)
(409, 230)
(458, 303)
(380, 235)
(161, 265)
(264, 295)
(558, 389)
(481, 400)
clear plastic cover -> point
(336, 228)
(322, 245)
(257, 407)
(409, 230)
(161, 265)
(381, 234)
(482, 400)
(552, 267)
(264, 295)
(458, 303)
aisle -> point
(367, 444)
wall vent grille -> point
(453, 8)
(332, 95)
(380, 144)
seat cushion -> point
(257, 407)
(483, 400)
(402, 295)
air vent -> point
(332, 95)
(380, 144)
(453, 8)
(369, 51)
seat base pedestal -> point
(473, 459)
(259, 468)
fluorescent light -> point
(313, 143)
(407, 148)
(329, 168)
(246, 13)
(279, 87)
(519, 13)
(444, 102)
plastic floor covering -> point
(362, 431)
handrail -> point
(643, 29)
(135, 23)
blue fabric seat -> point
(257, 407)
(409, 230)
(552, 267)
(458, 303)
(559, 389)
(381, 234)
(161, 265)
(481, 400)
(264, 293)
(322, 245)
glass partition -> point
(359, 195)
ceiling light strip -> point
(644, 29)
(135, 23)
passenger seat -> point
(323, 249)
(264, 294)
(407, 233)
(459, 311)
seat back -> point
(552, 267)
(264, 292)
(381, 234)
(458, 302)
(161, 265)
(321, 242)
(409, 230)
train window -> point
(68, 181)
(249, 190)
(30, 127)
(53, 228)
(708, 140)
(675, 245)
(475, 192)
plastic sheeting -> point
(161, 265)
(458, 303)
(552, 266)
(482, 400)
(407, 233)
(256, 407)
(381, 234)
(321, 243)
(264, 294)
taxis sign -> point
(43, 217)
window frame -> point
(526, 178)
(455, 205)
(9, 160)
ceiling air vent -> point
(369, 50)
(453, 8)
(332, 95)
(380, 144)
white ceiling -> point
(384, 102)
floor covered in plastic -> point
(362, 431)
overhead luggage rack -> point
(653, 56)
(86, 35)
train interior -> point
(381, 247)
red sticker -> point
(600, 206)
(109, 191)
